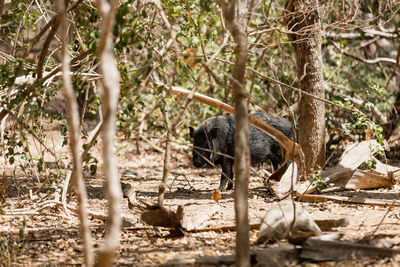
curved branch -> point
(46, 46)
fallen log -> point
(271, 257)
(331, 250)
(346, 200)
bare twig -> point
(368, 61)
(368, 33)
(163, 184)
(176, 177)
(46, 46)
(34, 41)
(381, 221)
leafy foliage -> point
(144, 59)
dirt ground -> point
(51, 236)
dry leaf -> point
(216, 195)
(368, 133)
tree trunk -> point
(303, 19)
(167, 155)
(74, 137)
(110, 81)
(392, 130)
(242, 154)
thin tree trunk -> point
(108, 67)
(1, 7)
(242, 154)
(167, 154)
(74, 130)
(303, 18)
(392, 129)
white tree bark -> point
(108, 67)
(74, 129)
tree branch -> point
(369, 33)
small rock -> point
(278, 223)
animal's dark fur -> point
(217, 134)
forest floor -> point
(51, 236)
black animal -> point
(215, 136)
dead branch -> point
(368, 61)
(22, 124)
(326, 250)
(345, 200)
(369, 33)
(35, 40)
(346, 174)
(92, 139)
(371, 235)
(46, 46)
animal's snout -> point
(198, 163)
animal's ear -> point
(191, 131)
(213, 133)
